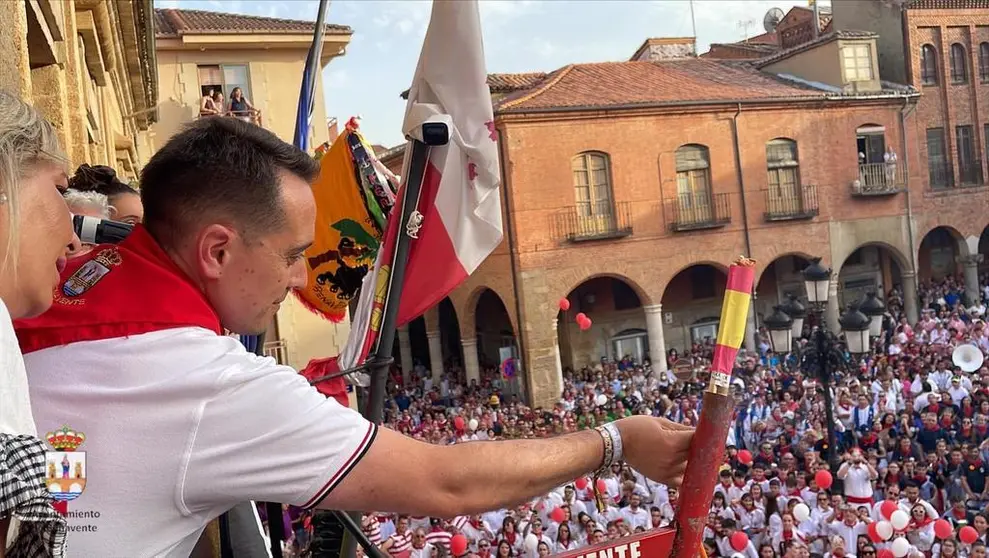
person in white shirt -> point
(35, 231)
(229, 215)
(858, 475)
(634, 515)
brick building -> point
(941, 47)
(629, 186)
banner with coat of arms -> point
(354, 195)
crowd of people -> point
(912, 432)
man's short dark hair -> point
(219, 170)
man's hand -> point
(656, 447)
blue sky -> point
(519, 36)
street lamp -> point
(817, 281)
(875, 310)
(798, 312)
(780, 326)
(823, 355)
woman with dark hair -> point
(125, 201)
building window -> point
(969, 162)
(938, 170)
(224, 78)
(959, 68)
(928, 65)
(783, 167)
(693, 172)
(592, 184)
(857, 62)
(984, 62)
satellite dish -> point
(967, 357)
(772, 19)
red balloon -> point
(739, 541)
(458, 423)
(581, 483)
(458, 545)
(558, 515)
(968, 534)
(580, 317)
(823, 479)
(887, 509)
(585, 325)
(564, 304)
(942, 529)
(873, 533)
(602, 486)
(885, 553)
(745, 457)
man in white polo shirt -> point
(857, 475)
(180, 422)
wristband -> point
(613, 448)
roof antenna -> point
(744, 26)
(693, 22)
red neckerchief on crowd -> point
(914, 524)
(105, 295)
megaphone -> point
(967, 357)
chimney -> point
(667, 48)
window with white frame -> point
(856, 61)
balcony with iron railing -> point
(879, 179)
(787, 204)
(698, 210)
(939, 175)
(252, 116)
(594, 221)
(970, 174)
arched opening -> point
(451, 349)
(938, 254)
(496, 341)
(984, 249)
(450, 358)
(781, 277)
(418, 343)
(870, 268)
(692, 306)
(614, 308)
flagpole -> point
(386, 337)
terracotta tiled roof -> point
(614, 84)
(170, 23)
(506, 83)
(826, 38)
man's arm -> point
(401, 474)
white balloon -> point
(899, 520)
(472, 424)
(531, 542)
(900, 547)
(801, 512)
(601, 400)
(885, 530)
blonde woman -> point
(34, 232)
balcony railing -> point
(252, 116)
(595, 221)
(277, 350)
(970, 175)
(939, 175)
(879, 179)
(701, 210)
(785, 204)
